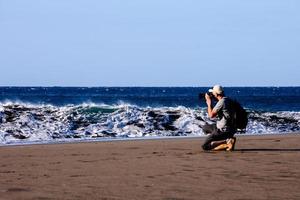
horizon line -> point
(56, 86)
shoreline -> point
(261, 167)
(116, 139)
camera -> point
(201, 96)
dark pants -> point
(214, 135)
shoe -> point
(221, 147)
(230, 144)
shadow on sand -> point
(267, 150)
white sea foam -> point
(23, 122)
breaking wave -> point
(26, 123)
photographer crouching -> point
(220, 135)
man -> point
(220, 134)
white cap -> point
(217, 89)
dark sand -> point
(262, 167)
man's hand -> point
(208, 99)
(210, 111)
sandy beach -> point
(261, 167)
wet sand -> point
(261, 167)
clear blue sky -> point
(149, 42)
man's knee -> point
(206, 146)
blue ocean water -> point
(39, 114)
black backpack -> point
(241, 116)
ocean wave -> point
(25, 122)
